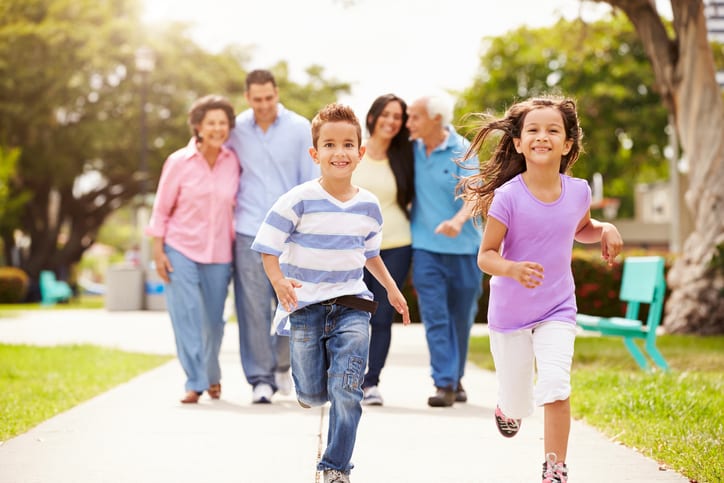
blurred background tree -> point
(684, 70)
(603, 66)
(70, 101)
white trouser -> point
(547, 347)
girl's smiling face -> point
(543, 137)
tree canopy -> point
(684, 68)
(70, 100)
(603, 66)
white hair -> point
(442, 106)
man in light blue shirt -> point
(272, 144)
(445, 244)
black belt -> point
(354, 303)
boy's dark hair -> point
(334, 113)
(259, 77)
(201, 106)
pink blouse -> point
(194, 207)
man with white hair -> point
(445, 244)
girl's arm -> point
(528, 274)
(591, 230)
(283, 287)
(377, 268)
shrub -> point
(597, 284)
(13, 285)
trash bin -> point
(124, 288)
(155, 291)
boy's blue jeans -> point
(329, 346)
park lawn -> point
(675, 417)
(80, 302)
(40, 382)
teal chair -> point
(643, 282)
(53, 290)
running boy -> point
(315, 242)
(534, 211)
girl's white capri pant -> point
(549, 346)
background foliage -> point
(603, 66)
(70, 99)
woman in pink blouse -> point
(192, 230)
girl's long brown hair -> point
(505, 162)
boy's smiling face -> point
(338, 150)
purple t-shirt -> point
(543, 233)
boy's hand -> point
(286, 293)
(397, 300)
(611, 242)
(528, 274)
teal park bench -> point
(642, 282)
(53, 290)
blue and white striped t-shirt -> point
(321, 242)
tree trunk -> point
(52, 212)
(686, 79)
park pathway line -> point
(138, 432)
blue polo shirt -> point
(272, 163)
(435, 179)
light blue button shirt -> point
(272, 163)
(436, 177)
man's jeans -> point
(262, 354)
(448, 288)
(195, 297)
(397, 261)
(329, 345)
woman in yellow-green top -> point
(387, 171)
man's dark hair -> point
(259, 77)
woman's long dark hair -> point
(400, 154)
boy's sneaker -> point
(372, 396)
(508, 427)
(553, 471)
(335, 476)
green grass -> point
(81, 302)
(675, 418)
(40, 382)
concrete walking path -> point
(138, 432)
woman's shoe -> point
(214, 391)
(191, 397)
